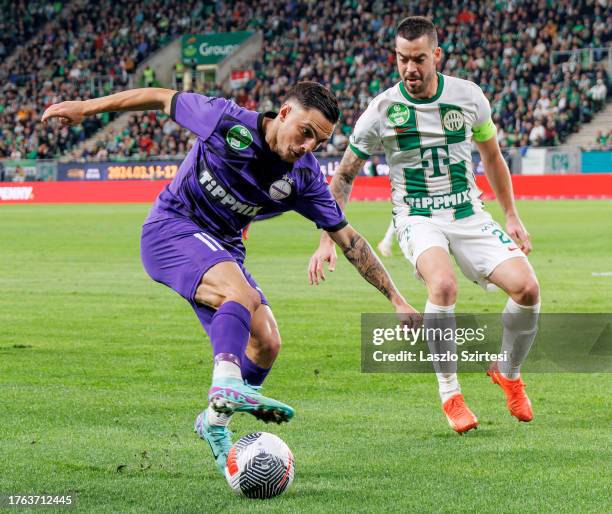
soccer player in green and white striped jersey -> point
(426, 124)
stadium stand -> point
(146, 135)
(347, 46)
(22, 20)
(65, 60)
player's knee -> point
(264, 349)
(269, 346)
(528, 293)
(273, 344)
(443, 290)
(246, 296)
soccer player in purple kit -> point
(242, 162)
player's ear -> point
(284, 111)
(437, 55)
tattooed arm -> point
(360, 254)
(342, 182)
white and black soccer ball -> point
(259, 465)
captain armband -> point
(484, 132)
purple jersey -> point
(231, 174)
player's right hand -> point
(68, 113)
(325, 253)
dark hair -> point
(312, 95)
(414, 27)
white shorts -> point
(477, 242)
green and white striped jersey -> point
(428, 146)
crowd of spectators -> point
(505, 47)
(21, 20)
(82, 50)
(147, 134)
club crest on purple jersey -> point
(281, 188)
(239, 137)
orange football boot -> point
(459, 416)
(516, 399)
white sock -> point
(223, 368)
(520, 328)
(448, 385)
(216, 418)
(389, 234)
(446, 372)
(226, 369)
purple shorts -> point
(177, 252)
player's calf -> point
(265, 341)
(263, 347)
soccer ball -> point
(259, 465)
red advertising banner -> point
(364, 188)
(544, 187)
(127, 191)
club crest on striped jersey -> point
(453, 120)
(239, 137)
(398, 114)
(281, 189)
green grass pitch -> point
(102, 372)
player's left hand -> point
(517, 231)
(408, 315)
(325, 253)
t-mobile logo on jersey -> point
(435, 157)
(215, 191)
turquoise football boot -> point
(219, 438)
(230, 395)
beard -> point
(421, 85)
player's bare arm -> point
(498, 174)
(360, 254)
(342, 182)
(341, 186)
(358, 251)
(142, 99)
